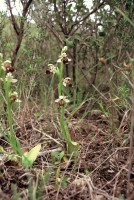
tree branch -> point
(19, 29)
(86, 16)
(14, 23)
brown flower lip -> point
(11, 69)
(14, 97)
(48, 71)
(62, 101)
(51, 69)
(67, 82)
(63, 58)
(7, 67)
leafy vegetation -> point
(67, 100)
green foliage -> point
(121, 197)
(28, 158)
(7, 98)
(46, 177)
(60, 181)
(124, 92)
(57, 178)
(58, 157)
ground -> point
(101, 171)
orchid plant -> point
(9, 96)
(62, 101)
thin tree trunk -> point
(15, 52)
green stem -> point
(60, 79)
(64, 128)
(12, 138)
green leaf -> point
(102, 34)
(73, 147)
(57, 177)
(121, 197)
(55, 154)
(47, 176)
(11, 157)
(61, 155)
(28, 158)
(2, 149)
(69, 43)
(58, 156)
(64, 181)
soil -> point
(101, 171)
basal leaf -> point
(28, 158)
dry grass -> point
(101, 171)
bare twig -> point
(49, 151)
(48, 136)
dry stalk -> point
(48, 136)
(121, 124)
(94, 191)
(66, 167)
(131, 157)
